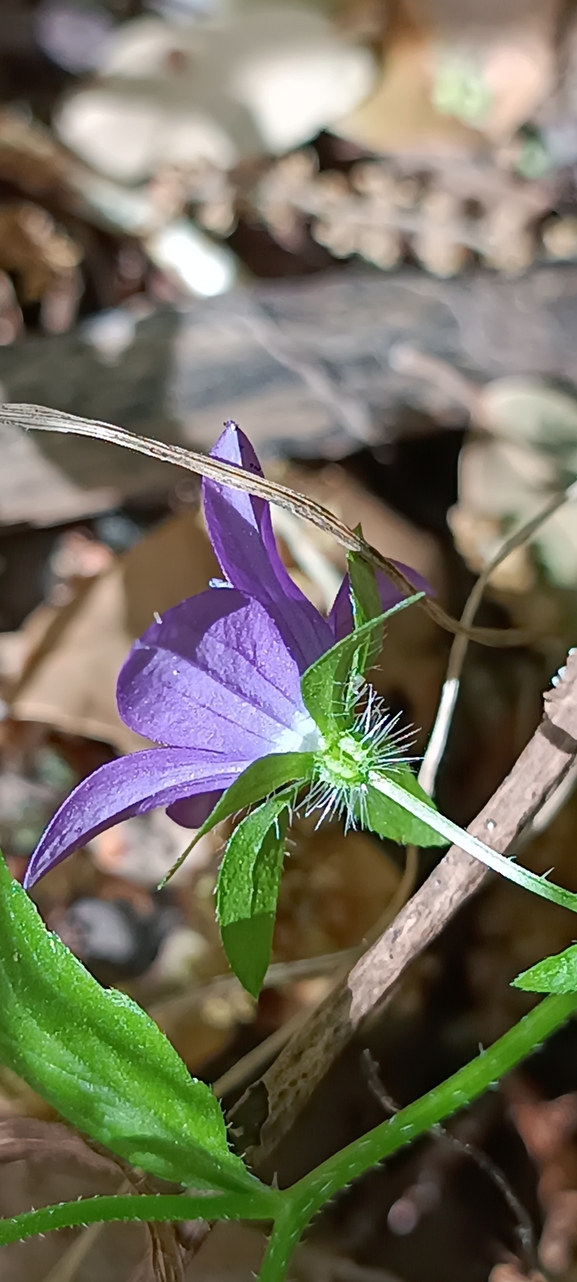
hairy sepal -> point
(259, 780)
(366, 607)
(388, 819)
(326, 685)
(248, 887)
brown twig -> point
(289, 1083)
(40, 418)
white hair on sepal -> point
(374, 743)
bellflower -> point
(215, 682)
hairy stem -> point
(285, 1235)
(473, 846)
(292, 1209)
(311, 1193)
(154, 1208)
(456, 1092)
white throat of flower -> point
(302, 736)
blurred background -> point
(351, 226)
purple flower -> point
(215, 682)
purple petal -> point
(214, 674)
(128, 786)
(241, 534)
(191, 812)
(341, 614)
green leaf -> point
(99, 1060)
(366, 606)
(258, 780)
(388, 819)
(247, 890)
(325, 685)
(503, 864)
(557, 974)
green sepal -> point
(262, 777)
(556, 974)
(100, 1060)
(326, 684)
(388, 819)
(247, 889)
(366, 606)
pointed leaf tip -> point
(326, 684)
(556, 974)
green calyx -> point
(345, 761)
(348, 758)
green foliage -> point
(366, 606)
(101, 1061)
(325, 685)
(365, 599)
(264, 776)
(556, 974)
(388, 819)
(247, 889)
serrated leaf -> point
(366, 606)
(557, 974)
(98, 1059)
(325, 685)
(247, 890)
(388, 819)
(264, 776)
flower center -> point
(346, 761)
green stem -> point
(310, 1193)
(292, 1209)
(307, 1196)
(286, 1232)
(465, 841)
(154, 1208)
